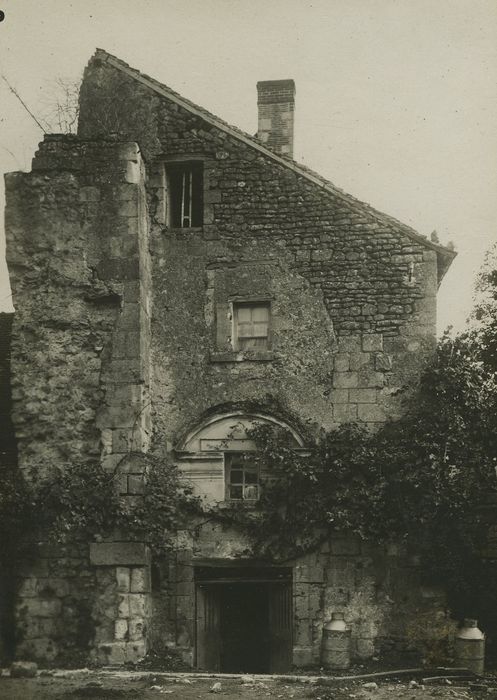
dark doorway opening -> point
(244, 627)
(244, 620)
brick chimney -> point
(276, 102)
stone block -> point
(316, 574)
(342, 362)
(185, 607)
(28, 588)
(89, 194)
(138, 605)
(315, 595)
(340, 396)
(121, 629)
(40, 607)
(301, 573)
(363, 395)
(345, 380)
(113, 654)
(382, 362)
(345, 413)
(184, 573)
(372, 342)
(136, 626)
(135, 651)
(110, 463)
(302, 633)
(371, 413)
(302, 656)
(128, 208)
(120, 440)
(336, 598)
(349, 343)
(123, 605)
(321, 255)
(133, 464)
(119, 553)
(185, 588)
(358, 360)
(140, 580)
(302, 607)
(123, 579)
(370, 379)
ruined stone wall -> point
(73, 251)
(77, 251)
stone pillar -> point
(127, 601)
(124, 416)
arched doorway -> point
(243, 610)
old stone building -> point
(177, 281)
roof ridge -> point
(298, 168)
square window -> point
(242, 478)
(185, 194)
(251, 325)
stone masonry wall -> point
(121, 339)
(353, 306)
(379, 591)
(77, 250)
(376, 283)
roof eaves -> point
(446, 254)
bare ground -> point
(97, 686)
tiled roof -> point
(445, 255)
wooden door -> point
(208, 637)
(280, 627)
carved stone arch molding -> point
(203, 451)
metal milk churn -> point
(470, 646)
(335, 652)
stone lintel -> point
(119, 553)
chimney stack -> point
(276, 102)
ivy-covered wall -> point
(121, 340)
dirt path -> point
(105, 687)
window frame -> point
(196, 187)
(238, 304)
(228, 468)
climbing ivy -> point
(423, 481)
(83, 501)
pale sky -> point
(396, 99)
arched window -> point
(215, 457)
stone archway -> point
(205, 452)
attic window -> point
(242, 477)
(251, 325)
(185, 184)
